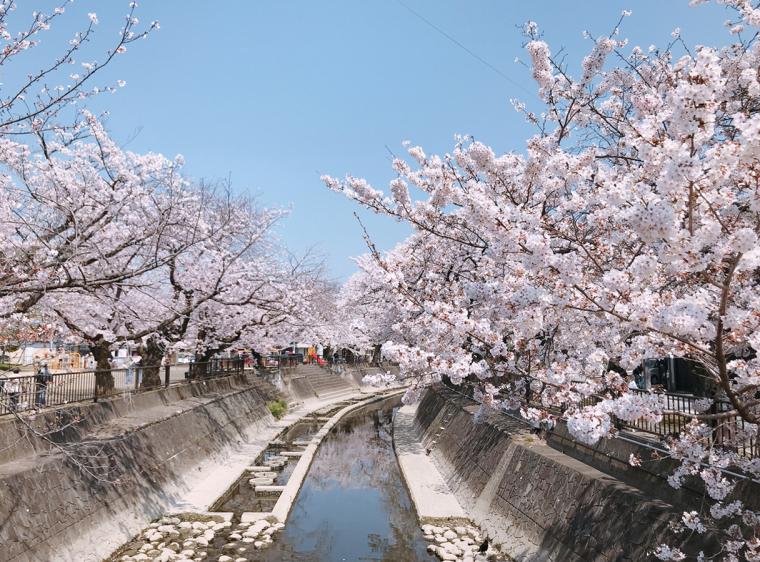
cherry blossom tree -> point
(31, 99)
(626, 230)
(45, 246)
(367, 316)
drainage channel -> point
(353, 504)
(222, 534)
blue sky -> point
(274, 93)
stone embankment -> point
(122, 462)
(533, 501)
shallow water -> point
(353, 505)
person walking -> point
(42, 379)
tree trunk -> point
(101, 351)
(151, 353)
(376, 354)
(200, 367)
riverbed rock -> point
(224, 558)
(165, 556)
(258, 544)
(449, 535)
(235, 536)
(259, 525)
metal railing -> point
(731, 433)
(19, 393)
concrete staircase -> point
(323, 383)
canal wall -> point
(536, 502)
(125, 461)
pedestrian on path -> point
(42, 379)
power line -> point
(463, 47)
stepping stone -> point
(262, 474)
(268, 489)
(277, 458)
(255, 482)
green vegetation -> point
(278, 408)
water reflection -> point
(353, 504)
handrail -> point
(42, 390)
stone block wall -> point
(538, 503)
(48, 504)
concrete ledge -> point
(434, 501)
(251, 516)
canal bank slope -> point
(535, 502)
(155, 452)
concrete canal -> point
(336, 474)
(353, 504)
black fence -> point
(731, 433)
(20, 393)
(288, 361)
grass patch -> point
(278, 408)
